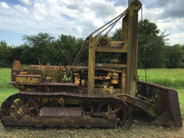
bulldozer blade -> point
(165, 101)
(175, 108)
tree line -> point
(153, 51)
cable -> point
(112, 24)
(79, 53)
(122, 14)
(65, 55)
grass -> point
(5, 78)
(173, 78)
(137, 130)
(5, 88)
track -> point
(62, 110)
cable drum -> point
(103, 42)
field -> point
(173, 78)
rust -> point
(101, 94)
(48, 84)
(165, 101)
(111, 65)
(61, 116)
(60, 122)
(61, 111)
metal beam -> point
(91, 66)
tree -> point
(47, 49)
(117, 35)
(151, 50)
(4, 54)
(70, 46)
(15, 53)
(175, 56)
(38, 46)
(151, 45)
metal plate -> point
(61, 111)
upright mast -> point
(132, 19)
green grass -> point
(173, 78)
(5, 78)
(5, 88)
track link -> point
(23, 110)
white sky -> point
(80, 17)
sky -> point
(80, 17)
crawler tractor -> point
(102, 94)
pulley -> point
(103, 41)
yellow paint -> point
(115, 78)
(25, 79)
(83, 82)
(76, 78)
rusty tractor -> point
(98, 95)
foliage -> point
(117, 35)
(4, 54)
(70, 46)
(152, 52)
(151, 46)
(39, 47)
(175, 56)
